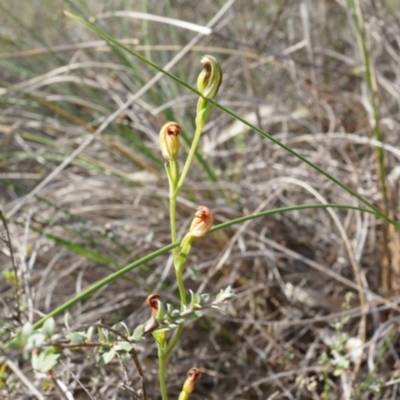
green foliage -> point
(77, 337)
(45, 360)
(10, 277)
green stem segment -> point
(203, 111)
(173, 176)
(174, 340)
(162, 369)
(172, 170)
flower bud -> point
(192, 377)
(202, 222)
(169, 140)
(210, 78)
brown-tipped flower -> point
(153, 301)
(202, 222)
(192, 377)
(210, 78)
(169, 140)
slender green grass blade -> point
(83, 251)
(289, 150)
(89, 291)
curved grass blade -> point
(83, 251)
(288, 149)
(96, 286)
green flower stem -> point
(172, 170)
(203, 110)
(172, 216)
(175, 339)
(181, 287)
(179, 263)
(162, 368)
(173, 176)
(177, 266)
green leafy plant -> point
(44, 347)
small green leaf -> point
(102, 336)
(104, 348)
(66, 322)
(107, 357)
(204, 297)
(110, 337)
(89, 333)
(27, 330)
(16, 343)
(50, 362)
(192, 298)
(76, 337)
(165, 328)
(123, 346)
(170, 308)
(49, 327)
(220, 308)
(225, 295)
(194, 315)
(35, 340)
(43, 362)
(10, 277)
(175, 314)
(37, 360)
(138, 333)
(126, 328)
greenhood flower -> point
(169, 140)
(210, 78)
(157, 313)
(188, 387)
(202, 222)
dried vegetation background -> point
(292, 68)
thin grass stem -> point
(371, 83)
